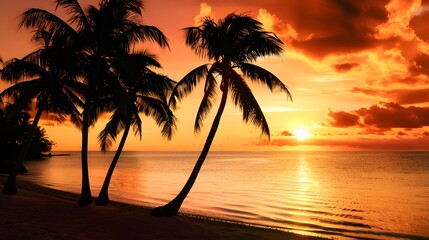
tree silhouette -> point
(102, 34)
(43, 76)
(14, 126)
(232, 43)
(139, 90)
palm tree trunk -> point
(85, 195)
(172, 208)
(10, 185)
(103, 197)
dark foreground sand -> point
(41, 213)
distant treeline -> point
(14, 127)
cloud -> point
(402, 134)
(381, 116)
(342, 119)
(392, 115)
(331, 27)
(400, 96)
(286, 134)
(410, 96)
(345, 67)
(419, 22)
(336, 31)
(274, 24)
(421, 65)
(205, 11)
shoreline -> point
(40, 212)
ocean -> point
(342, 195)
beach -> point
(38, 212)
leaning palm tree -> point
(139, 90)
(233, 43)
(43, 76)
(101, 33)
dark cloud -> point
(402, 134)
(327, 27)
(381, 116)
(421, 65)
(420, 24)
(411, 96)
(392, 115)
(338, 43)
(342, 119)
(345, 67)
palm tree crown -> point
(232, 43)
(139, 90)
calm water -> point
(346, 195)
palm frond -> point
(108, 135)
(71, 104)
(135, 6)
(77, 14)
(123, 6)
(136, 122)
(76, 91)
(23, 93)
(67, 102)
(160, 112)
(15, 70)
(41, 19)
(195, 40)
(243, 97)
(207, 101)
(145, 33)
(258, 44)
(154, 85)
(260, 75)
(187, 84)
(147, 59)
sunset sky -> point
(358, 72)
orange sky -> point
(358, 72)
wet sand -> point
(38, 212)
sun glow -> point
(302, 134)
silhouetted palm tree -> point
(139, 90)
(44, 76)
(101, 34)
(232, 44)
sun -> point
(302, 134)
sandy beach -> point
(37, 212)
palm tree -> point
(139, 90)
(233, 43)
(102, 33)
(44, 76)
